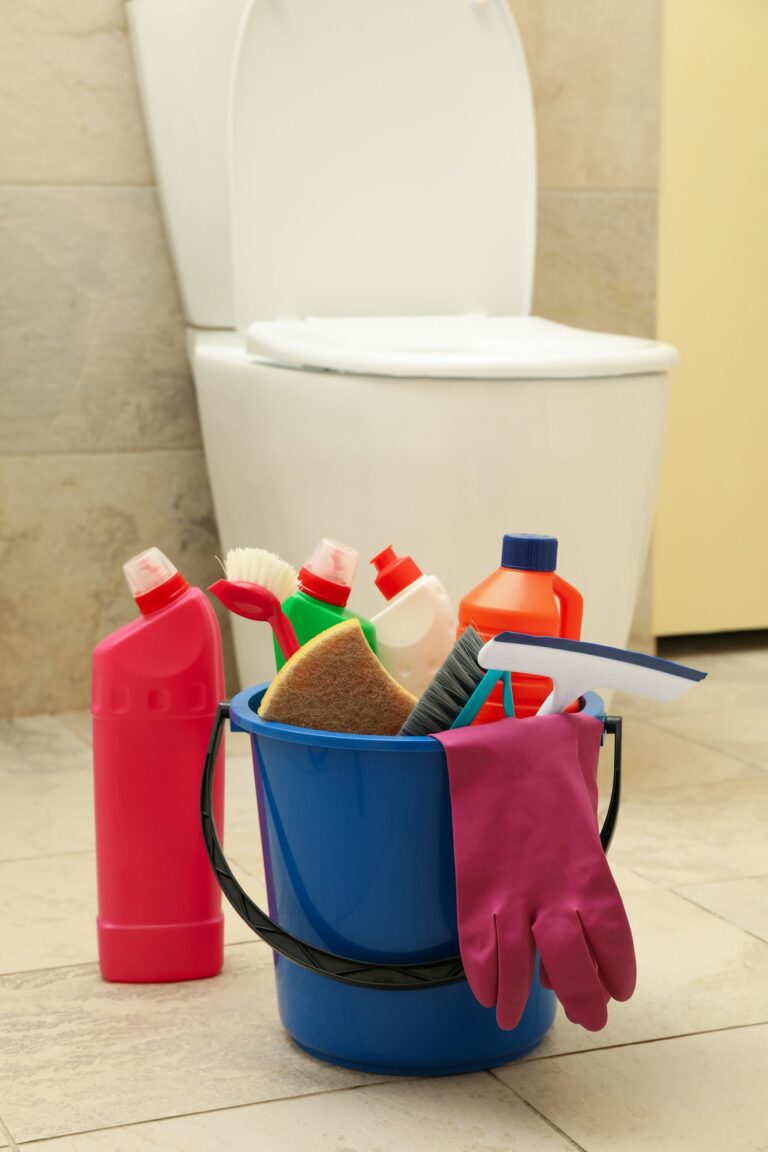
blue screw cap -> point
(529, 553)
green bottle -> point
(325, 583)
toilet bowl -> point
(350, 195)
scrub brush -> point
(336, 684)
(256, 582)
(449, 689)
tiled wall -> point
(100, 451)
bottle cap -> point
(329, 572)
(153, 580)
(529, 553)
(394, 572)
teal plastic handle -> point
(481, 694)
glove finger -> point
(606, 993)
(607, 930)
(477, 944)
(570, 967)
(516, 957)
(543, 977)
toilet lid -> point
(382, 160)
(455, 346)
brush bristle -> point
(449, 689)
(258, 566)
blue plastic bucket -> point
(358, 853)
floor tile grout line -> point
(673, 888)
(368, 1085)
(244, 943)
(759, 777)
(638, 875)
(77, 735)
(48, 856)
(209, 1111)
(719, 916)
(95, 961)
(6, 1135)
(725, 880)
(708, 747)
(661, 886)
(532, 1108)
(533, 1058)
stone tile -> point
(719, 647)
(736, 682)
(751, 653)
(629, 881)
(67, 524)
(595, 73)
(596, 260)
(90, 324)
(740, 731)
(48, 900)
(697, 834)
(695, 1092)
(45, 789)
(69, 109)
(43, 742)
(654, 759)
(735, 678)
(48, 912)
(741, 902)
(242, 836)
(100, 1055)
(457, 1114)
(696, 973)
(80, 723)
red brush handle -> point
(285, 634)
(255, 602)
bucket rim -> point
(243, 712)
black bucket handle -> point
(361, 973)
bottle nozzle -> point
(329, 572)
(394, 572)
(153, 580)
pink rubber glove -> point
(530, 870)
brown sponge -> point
(335, 683)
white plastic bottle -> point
(417, 629)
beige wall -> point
(100, 450)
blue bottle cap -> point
(529, 553)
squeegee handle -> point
(571, 608)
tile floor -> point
(91, 1067)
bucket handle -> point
(361, 973)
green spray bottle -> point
(325, 582)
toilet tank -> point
(183, 50)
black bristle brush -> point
(449, 689)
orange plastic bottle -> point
(524, 595)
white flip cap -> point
(147, 570)
(334, 561)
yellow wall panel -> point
(711, 541)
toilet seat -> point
(382, 160)
(483, 347)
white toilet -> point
(349, 190)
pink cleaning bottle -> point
(156, 684)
